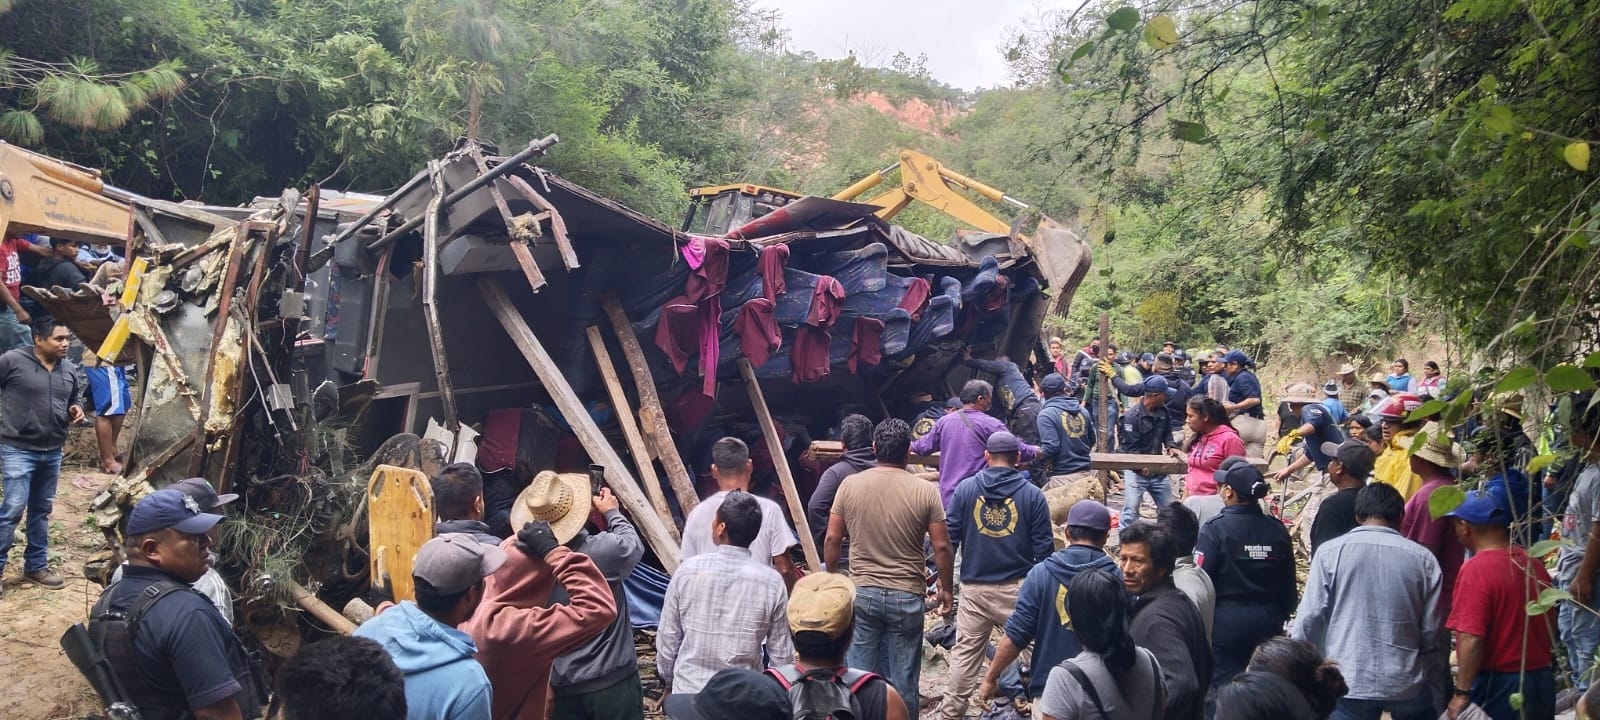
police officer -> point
(1250, 559)
(1066, 432)
(186, 661)
(1244, 402)
(1317, 425)
(1145, 430)
(1015, 402)
(923, 422)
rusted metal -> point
(430, 304)
(537, 147)
(558, 226)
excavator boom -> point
(924, 178)
(40, 194)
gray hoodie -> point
(34, 401)
(608, 658)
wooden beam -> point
(651, 419)
(1104, 440)
(625, 418)
(572, 408)
(797, 506)
(558, 225)
(1159, 464)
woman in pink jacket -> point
(1214, 441)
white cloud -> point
(961, 38)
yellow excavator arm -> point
(924, 178)
(40, 194)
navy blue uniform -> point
(1324, 429)
(1012, 391)
(1144, 432)
(1066, 435)
(1250, 559)
(1244, 386)
(1001, 523)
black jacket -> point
(1167, 623)
(1250, 559)
(1144, 432)
(821, 502)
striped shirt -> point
(719, 610)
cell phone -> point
(597, 478)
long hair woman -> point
(1316, 677)
(1112, 679)
(1214, 440)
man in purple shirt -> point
(961, 437)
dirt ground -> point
(36, 680)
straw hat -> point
(1301, 393)
(1347, 369)
(561, 500)
(1438, 450)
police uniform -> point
(1250, 559)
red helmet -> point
(1398, 406)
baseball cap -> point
(1148, 357)
(1480, 509)
(1245, 480)
(454, 562)
(200, 489)
(954, 403)
(1002, 442)
(169, 508)
(733, 694)
(1156, 384)
(1089, 514)
(1237, 356)
(1180, 355)
(822, 602)
(1053, 384)
(1354, 455)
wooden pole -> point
(320, 610)
(620, 480)
(1105, 386)
(797, 507)
(651, 419)
(625, 418)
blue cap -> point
(1002, 442)
(1481, 509)
(1148, 357)
(169, 508)
(1156, 384)
(1237, 356)
(1053, 384)
(1089, 513)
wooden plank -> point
(797, 506)
(651, 419)
(572, 408)
(558, 225)
(1103, 441)
(399, 520)
(630, 431)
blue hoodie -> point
(1001, 523)
(443, 681)
(1066, 435)
(1041, 614)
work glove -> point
(1106, 369)
(1287, 441)
(536, 539)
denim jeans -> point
(13, 334)
(1417, 708)
(889, 638)
(30, 485)
(1492, 691)
(1134, 486)
(1580, 633)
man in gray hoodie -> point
(600, 679)
(855, 431)
(39, 399)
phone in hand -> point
(597, 478)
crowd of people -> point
(1050, 602)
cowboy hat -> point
(1347, 369)
(561, 500)
(1438, 449)
(1301, 393)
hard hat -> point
(1398, 406)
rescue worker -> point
(1143, 430)
(1015, 401)
(1394, 463)
(1317, 425)
(1066, 432)
(1250, 559)
(1244, 403)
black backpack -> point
(823, 694)
(102, 649)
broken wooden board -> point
(797, 506)
(400, 519)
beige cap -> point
(562, 500)
(822, 602)
(454, 562)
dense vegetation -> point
(1286, 175)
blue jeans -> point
(13, 334)
(1417, 708)
(30, 484)
(1134, 486)
(889, 638)
(1492, 691)
(1580, 633)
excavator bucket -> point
(1063, 257)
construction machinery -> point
(40, 194)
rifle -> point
(86, 656)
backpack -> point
(103, 650)
(823, 694)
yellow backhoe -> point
(40, 194)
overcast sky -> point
(962, 38)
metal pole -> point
(537, 147)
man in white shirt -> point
(731, 465)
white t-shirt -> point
(1583, 507)
(775, 537)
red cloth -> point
(1438, 536)
(497, 449)
(518, 632)
(11, 266)
(916, 298)
(758, 332)
(998, 295)
(809, 353)
(678, 331)
(773, 259)
(866, 343)
(710, 344)
(826, 302)
(1491, 600)
(708, 256)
